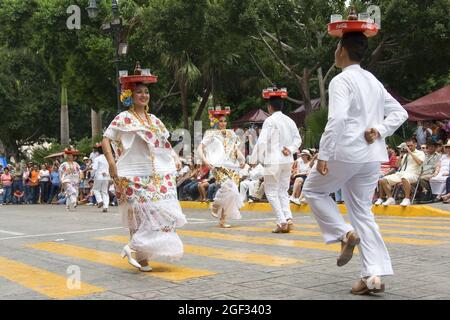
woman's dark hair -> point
(356, 45)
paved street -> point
(42, 248)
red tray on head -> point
(219, 112)
(138, 78)
(268, 94)
(338, 28)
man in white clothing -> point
(277, 142)
(100, 168)
(252, 182)
(361, 114)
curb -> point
(395, 210)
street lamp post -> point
(114, 27)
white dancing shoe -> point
(389, 201)
(213, 210)
(126, 252)
(145, 268)
(406, 202)
(295, 200)
(378, 202)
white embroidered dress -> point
(220, 150)
(146, 187)
(69, 175)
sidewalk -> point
(433, 210)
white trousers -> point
(357, 182)
(438, 184)
(249, 186)
(276, 186)
(101, 194)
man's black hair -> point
(277, 103)
(356, 45)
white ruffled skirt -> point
(150, 209)
(228, 197)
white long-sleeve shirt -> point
(100, 168)
(278, 131)
(357, 102)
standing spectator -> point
(55, 183)
(34, 184)
(6, 181)
(26, 183)
(44, 182)
(17, 181)
(423, 133)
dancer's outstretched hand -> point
(371, 135)
(322, 167)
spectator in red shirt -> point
(391, 165)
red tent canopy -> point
(254, 116)
(433, 106)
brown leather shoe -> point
(347, 246)
(290, 225)
(362, 288)
(281, 228)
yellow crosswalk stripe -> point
(233, 255)
(413, 232)
(160, 270)
(47, 283)
(383, 231)
(400, 240)
(414, 221)
(261, 240)
(405, 226)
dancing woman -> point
(219, 150)
(143, 174)
(69, 175)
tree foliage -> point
(204, 52)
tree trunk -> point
(96, 124)
(184, 102)
(64, 118)
(323, 96)
(202, 105)
(305, 91)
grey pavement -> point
(421, 269)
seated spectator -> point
(252, 182)
(18, 197)
(191, 190)
(61, 198)
(390, 166)
(303, 170)
(432, 159)
(410, 169)
(185, 177)
(437, 182)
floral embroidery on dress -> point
(147, 189)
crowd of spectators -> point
(417, 171)
(29, 183)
